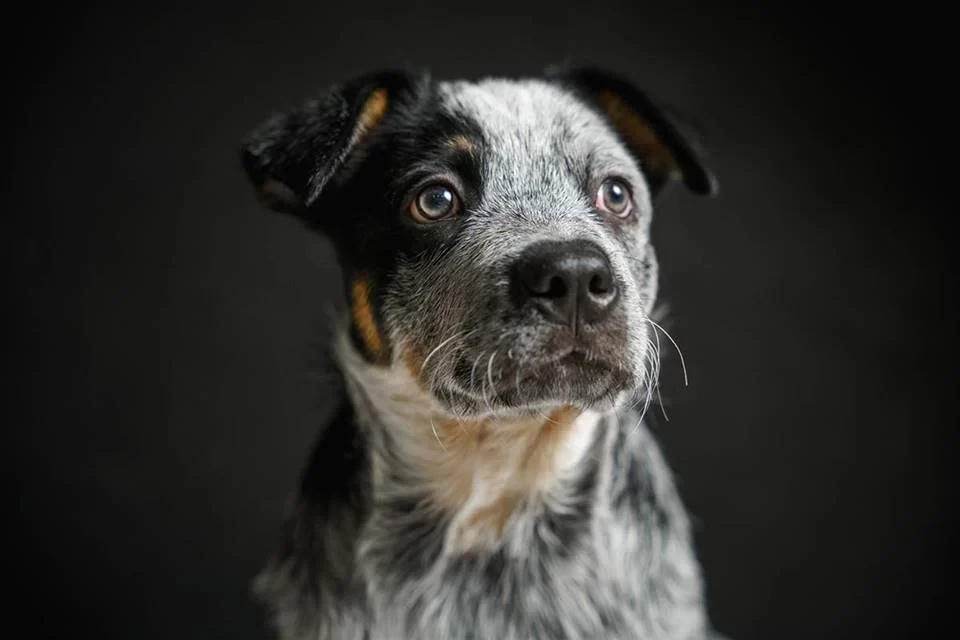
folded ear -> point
(292, 156)
(664, 154)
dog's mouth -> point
(574, 371)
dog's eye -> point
(434, 202)
(614, 197)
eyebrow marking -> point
(462, 144)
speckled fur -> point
(596, 543)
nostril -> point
(541, 283)
(556, 289)
(599, 284)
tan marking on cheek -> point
(658, 158)
(364, 319)
(413, 361)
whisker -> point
(650, 374)
(656, 376)
(490, 368)
(473, 371)
(437, 348)
(490, 378)
(683, 363)
(663, 408)
(433, 427)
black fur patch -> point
(334, 488)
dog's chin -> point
(573, 378)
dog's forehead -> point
(524, 117)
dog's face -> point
(494, 235)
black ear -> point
(292, 156)
(665, 155)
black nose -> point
(569, 282)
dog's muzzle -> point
(564, 339)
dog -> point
(488, 473)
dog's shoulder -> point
(642, 482)
(311, 574)
(334, 472)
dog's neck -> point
(477, 470)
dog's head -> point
(493, 235)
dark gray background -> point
(169, 373)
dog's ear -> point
(664, 153)
(292, 156)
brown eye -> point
(614, 197)
(434, 202)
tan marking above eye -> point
(462, 143)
